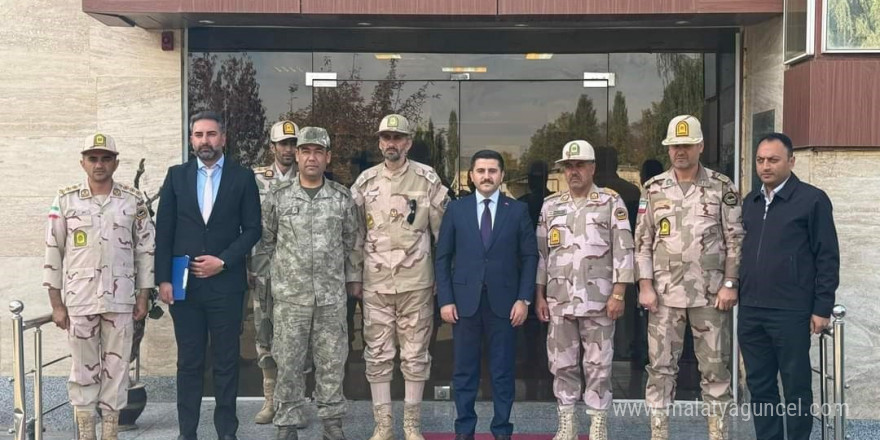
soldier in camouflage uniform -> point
(310, 227)
(688, 245)
(100, 244)
(282, 138)
(401, 203)
(585, 262)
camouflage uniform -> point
(310, 246)
(260, 293)
(398, 273)
(584, 247)
(99, 253)
(687, 243)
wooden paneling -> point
(611, 7)
(400, 7)
(184, 6)
(833, 102)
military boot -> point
(109, 425)
(659, 425)
(567, 429)
(333, 429)
(598, 425)
(85, 424)
(287, 433)
(412, 421)
(267, 412)
(717, 427)
(384, 429)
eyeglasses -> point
(412, 211)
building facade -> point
(518, 76)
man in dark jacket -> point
(789, 274)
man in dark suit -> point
(789, 273)
(210, 210)
(486, 262)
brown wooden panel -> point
(832, 102)
(184, 6)
(594, 7)
(400, 7)
(796, 104)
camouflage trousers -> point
(263, 303)
(407, 318)
(296, 328)
(100, 349)
(666, 328)
(566, 336)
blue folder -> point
(179, 275)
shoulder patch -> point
(69, 189)
(260, 170)
(654, 180)
(718, 176)
(425, 171)
(730, 198)
(609, 191)
(368, 174)
(130, 189)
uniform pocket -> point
(79, 289)
(123, 285)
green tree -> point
(546, 144)
(230, 88)
(854, 23)
(618, 129)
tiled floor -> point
(159, 421)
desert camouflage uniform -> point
(261, 292)
(688, 243)
(99, 253)
(310, 246)
(584, 247)
(398, 272)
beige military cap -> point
(99, 142)
(283, 130)
(394, 123)
(313, 136)
(683, 130)
(577, 150)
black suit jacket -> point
(232, 230)
(790, 259)
(462, 265)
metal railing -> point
(24, 428)
(833, 423)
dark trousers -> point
(467, 342)
(777, 341)
(219, 315)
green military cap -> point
(313, 136)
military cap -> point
(313, 136)
(394, 123)
(683, 130)
(577, 150)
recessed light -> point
(539, 56)
(206, 21)
(520, 25)
(388, 56)
(680, 22)
(365, 23)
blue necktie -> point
(486, 224)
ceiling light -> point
(539, 56)
(388, 56)
(520, 25)
(365, 23)
(206, 21)
(461, 69)
(680, 22)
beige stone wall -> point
(762, 83)
(64, 75)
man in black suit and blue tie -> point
(209, 210)
(487, 257)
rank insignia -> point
(555, 237)
(730, 199)
(80, 239)
(394, 213)
(84, 194)
(665, 227)
(117, 192)
(269, 174)
(594, 196)
(141, 212)
(682, 129)
(620, 213)
(564, 198)
(370, 222)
